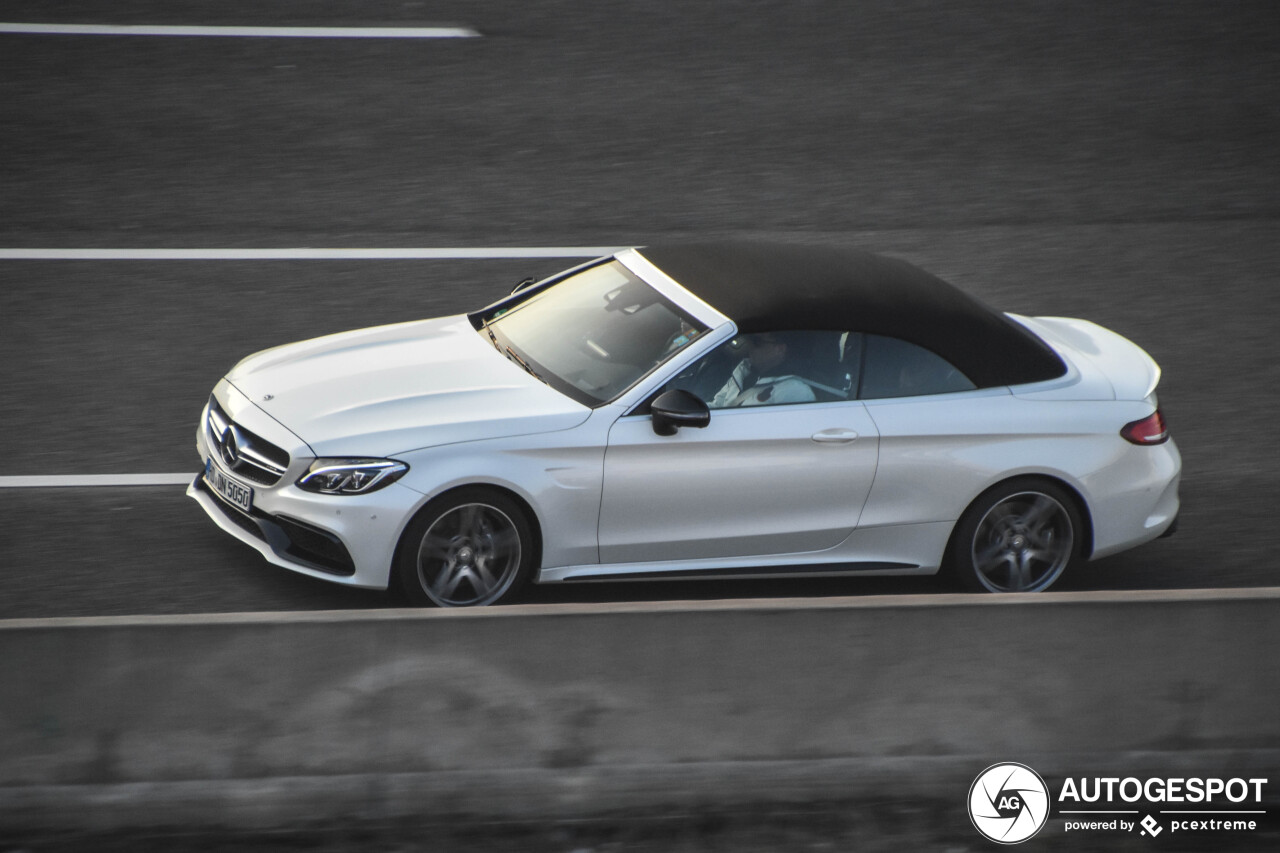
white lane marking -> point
(60, 480)
(271, 32)
(303, 254)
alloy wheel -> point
(1022, 543)
(470, 555)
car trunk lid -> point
(1099, 354)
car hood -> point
(392, 389)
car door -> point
(756, 481)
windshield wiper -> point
(492, 337)
(520, 361)
(510, 353)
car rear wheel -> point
(1018, 537)
(468, 548)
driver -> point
(763, 377)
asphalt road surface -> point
(1114, 161)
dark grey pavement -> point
(1115, 161)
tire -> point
(468, 548)
(1019, 536)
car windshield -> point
(593, 334)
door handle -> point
(835, 436)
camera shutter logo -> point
(1008, 803)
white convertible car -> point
(692, 411)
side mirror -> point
(522, 284)
(678, 408)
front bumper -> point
(295, 542)
(346, 539)
(354, 548)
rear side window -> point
(896, 368)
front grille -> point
(244, 453)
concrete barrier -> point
(270, 720)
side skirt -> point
(596, 574)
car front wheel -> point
(468, 548)
(1019, 536)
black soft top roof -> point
(777, 287)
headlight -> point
(351, 476)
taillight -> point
(1150, 430)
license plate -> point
(232, 491)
